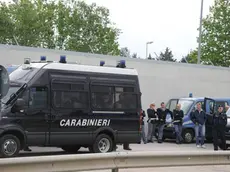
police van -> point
(69, 105)
(209, 105)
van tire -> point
(188, 135)
(9, 146)
(102, 144)
(71, 149)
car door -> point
(34, 118)
(69, 123)
(209, 108)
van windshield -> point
(12, 90)
(185, 105)
(22, 74)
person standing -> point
(143, 136)
(178, 116)
(198, 117)
(152, 122)
(162, 112)
(218, 129)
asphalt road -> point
(166, 146)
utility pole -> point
(147, 43)
(200, 32)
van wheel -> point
(188, 135)
(10, 146)
(102, 144)
(71, 149)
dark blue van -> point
(209, 105)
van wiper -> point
(14, 96)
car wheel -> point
(103, 144)
(71, 149)
(10, 146)
(188, 136)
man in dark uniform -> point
(218, 130)
(178, 116)
(152, 122)
(162, 113)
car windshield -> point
(12, 90)
(185, 105)
(23, 74)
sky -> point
(168, 23)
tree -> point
(150, 57)
(166, 56)
(67, 25)
(191, 57)
(216, 34)
(124, 52)
(134, 55)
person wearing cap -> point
(198, 117)
(152, 122)
(178, 116)
(219, 123)
(162, 112)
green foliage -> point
(216, 35)
(191, 57)
(67, 25)
(134, 55)
(166, 56)
(125, 52)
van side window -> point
(113, 97)
(125, 98)
(69, 95)
(38, 97)
(102, 97)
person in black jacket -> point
(162, 112)
(198, 117)
(152, 122)
(178, 116)
(219, 122)
(143, 127)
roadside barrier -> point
(113, 161)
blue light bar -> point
(62, 59)
(122, 62)
(102, 63)
(43, 58)
(190, 94)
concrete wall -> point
(159, 81)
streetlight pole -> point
(200, 32)
(147, 43)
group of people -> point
(157, 117)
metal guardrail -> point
(113, 161)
